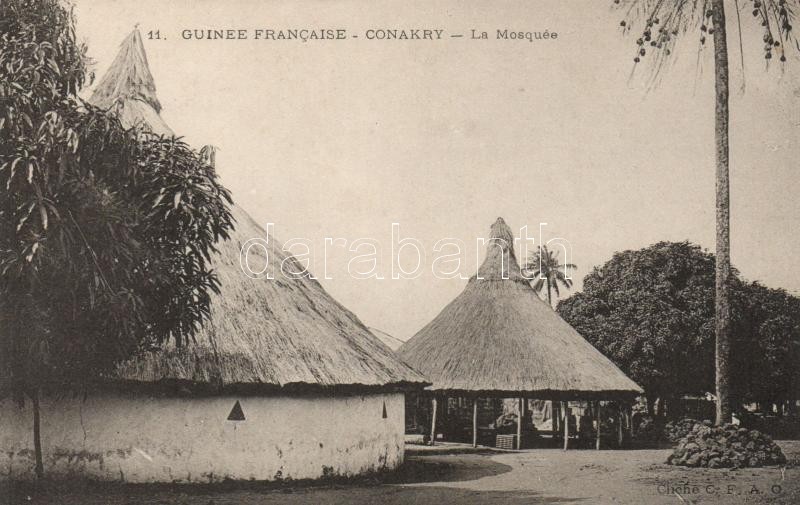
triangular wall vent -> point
(237, 414)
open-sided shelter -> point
(499, 339)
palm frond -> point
(664, 22)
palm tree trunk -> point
(723, 266)
(549, 299)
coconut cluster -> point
(660, 32)
(727, 446)
(781, 25)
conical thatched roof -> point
(128, 88)
(286, 332)
(499, 337)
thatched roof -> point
(281, 332)
(128, 88)
(286, 332)
(499, 337)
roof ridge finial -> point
(128, 82)
(501, 231)
(500, 261)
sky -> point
(344, 138)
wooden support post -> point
(475, 422)
(629, 417)
(525, 407)
(555, 413)
(620, 436)
(565, 408)
(560, 422)
(519, 423)
(597, 418)
(415, 410)
(433, 423)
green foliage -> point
(766, 348)
(651, 312)
(105, 233)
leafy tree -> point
(651, 311)
(766, 345)
(105, 233)
(544, 268)
(664, 22)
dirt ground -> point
(449, 476)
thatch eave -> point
(170, 387)
(540, 394)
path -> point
(543, 476)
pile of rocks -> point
(676, 430)
(727, 446)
